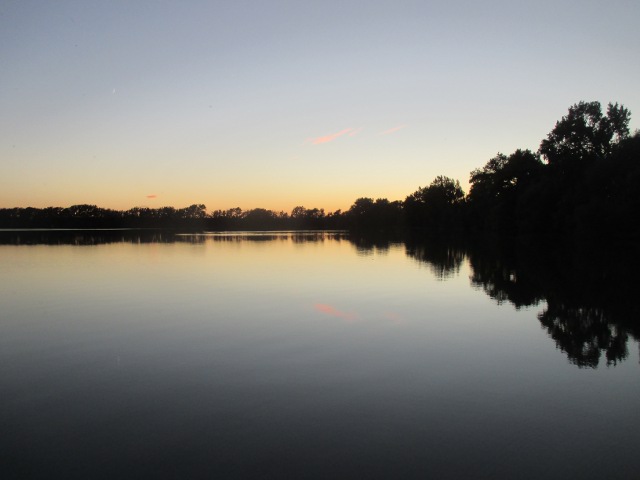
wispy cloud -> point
(332, 137)
(334, 312)
(392, 130)
(355, 132)
(153, 195)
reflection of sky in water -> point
(334, 312)
(279, 355)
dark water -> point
(312, 355)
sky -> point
(277, 104)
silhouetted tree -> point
(193, 212)
(436, 208)
(259, 219)
(581, 189)
(310, 219)
(376, 216)
(610, 202)
(585, 134)
(498, 188)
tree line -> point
(583, 179)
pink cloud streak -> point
(392, 130)
(332, 137)
(153, 195)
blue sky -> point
(281, 103)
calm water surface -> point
(299, 356)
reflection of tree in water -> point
(295, 236)
(238, 237)
(504, 280)
(84, 237)
(584, 333)
(314, 236)
(368, 244)
(444, 259)
(106, 236)
(590, 309)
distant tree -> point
(224, 219)
(443, 191)
(361, 206)
(193, 212)
(498, 188)
(376, 216)
(298, 212)
(259, 219)
(436, 208)
(234, 213)
(335, 220)
(361, 215)
(83, 210)
(312, 218)
(167, 214)
(389, 214)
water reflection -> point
(84, 237)
(334, 312)
(585, 333)
(444, 259)
(369, 244)
(505, 276)
(101, 237)
(590, 309)
(586, 295)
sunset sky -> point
(275, 104)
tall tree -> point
(585, 134)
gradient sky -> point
(275, 104)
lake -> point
(312, 355)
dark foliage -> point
(438, 208)
(367, 215)
(586, 187)
(497, 190)
(583, 181)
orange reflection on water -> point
(334, 312)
